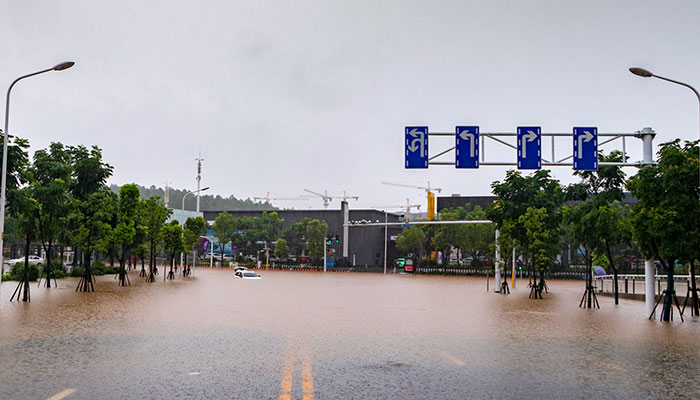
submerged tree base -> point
(87, 282)
(592, 298)
(670, 298)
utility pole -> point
(199, 175)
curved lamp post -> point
(57, 67)
(648, 74)
(182, 213)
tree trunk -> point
(25, 278)
(694, 290)
(612, 265)
(668, 299)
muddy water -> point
(295, 335)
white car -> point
(32, 260)
(248, 275)
(239, 269)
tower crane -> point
(404, 207)
(327, 198)
(267, 198)
(428, 190)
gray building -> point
(365, 243)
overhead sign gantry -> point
(470, 148)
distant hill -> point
(206, 202)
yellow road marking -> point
(286, 387)
(62, 395)
(307, 379)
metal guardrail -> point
(634, 284)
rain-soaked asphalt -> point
(305, 335)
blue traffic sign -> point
(467, 147)
(529, 147)
(416, 147)
(586, 149)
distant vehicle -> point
(250, 258)
(408, 267)
(304, 259)
(291, 258)
(247, 275)
(274, 259)
(32, 260)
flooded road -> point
(306, 335)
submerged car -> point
(248, 275)
(239, 269)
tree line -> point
(250, 235)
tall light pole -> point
(57, 67)
(182, 214)
(648, 265)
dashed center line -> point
(62, 394)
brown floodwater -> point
(307, 335)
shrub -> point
(17, 270)
(77, 272)
(58, 270)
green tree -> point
(666, 218)
(597, 223)
(153, 216)
(316, 232)
(516, 194)
(224, 227)
(295, 235)
(127, 226)
(18, 175)
(50, 187)
(94, 231)
(89, 175)
(411, 240)
(193, 229)
(541, 247)
(269, 227)
(244, 234)
(172, 243)
(447, 236)
(476, 239)
(281, 248)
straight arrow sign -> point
(467, 147)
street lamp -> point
(57, 67)
(182, 214)
(648, 74)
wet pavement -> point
(307, 335)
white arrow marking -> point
(530, 136)
(413, 146)
(468, 136)
(586, 137)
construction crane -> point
(267, 198)
(405, 207)
(327, 198)
(428, 190)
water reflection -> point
(344, 335)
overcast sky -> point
(286, 95)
